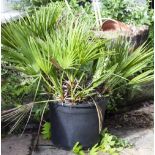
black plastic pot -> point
(71, 124)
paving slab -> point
(16, 145)
(142, 139)
(45, 147)
(48, 150)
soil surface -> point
(140, 116)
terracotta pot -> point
(114, 25)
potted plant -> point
(76, 69)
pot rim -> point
(85, 104)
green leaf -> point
(94, 150)
(46, 131)
(77, 149)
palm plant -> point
(71, 64)
(39, 24)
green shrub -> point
(127, 11)
(15, 88)
(109, 144)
